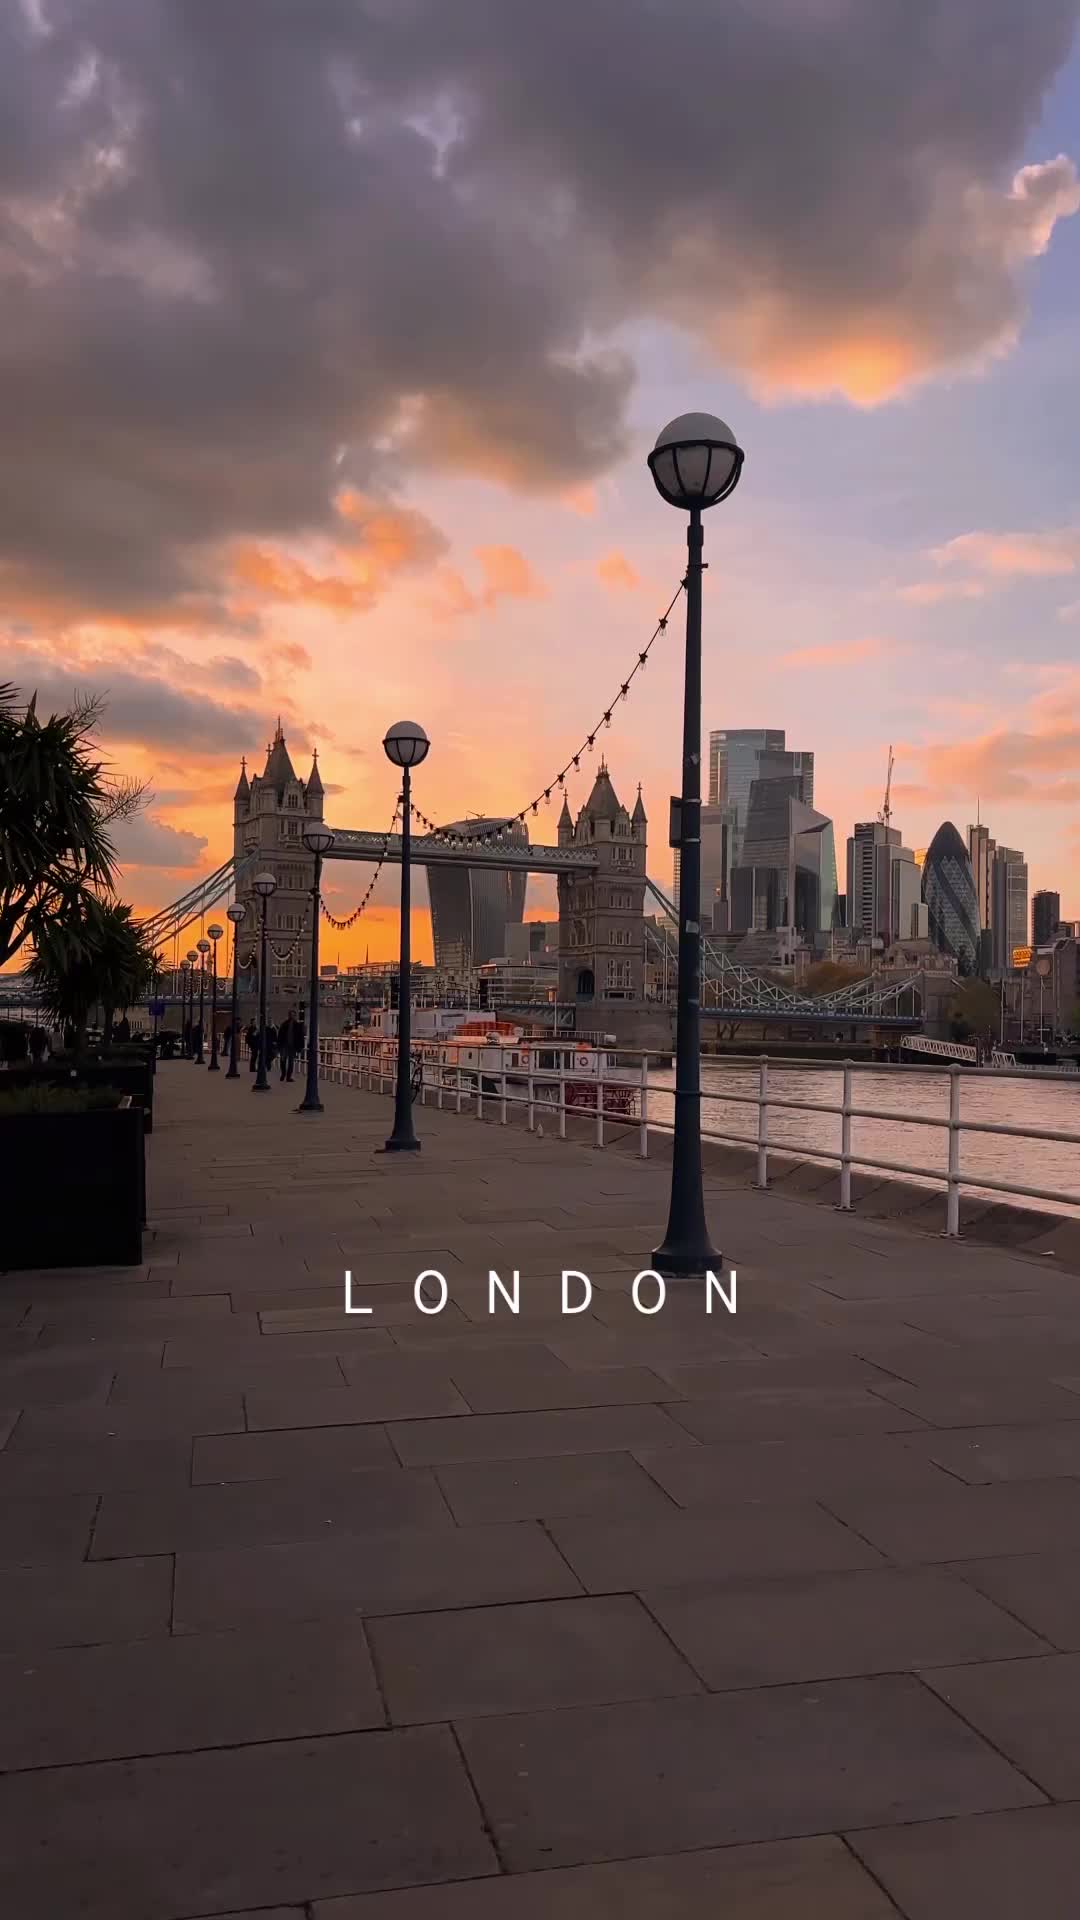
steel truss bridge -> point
(735, 991)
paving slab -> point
(995, 1867)
(751, 1633)
(813, 1467)
(75, 1604)
(995, 1403)
(399, 1572)
(1041, 1589)
(982, 1455)
(147, 1840)
(318, 1452)
(509, 1436)
(36, 1531)
(787, 1880)
(252, 1513)
(966, 1523)
(1028, 1709)
(777, 1411)
(405, 1392)
(620, 1555)
(610, 1782)
(481, 1491)
(517, 1659)
(76, 1705)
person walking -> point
(251, 1042)
(286, 1046)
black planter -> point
(133, 1077)
(77, 1187)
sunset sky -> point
(334, 335)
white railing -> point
(481, 1091)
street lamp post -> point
(185, 975)
(318, 840)
(204, 948)
(193, 961)
(265, 885)
(405, 746)
(215, 932)
(235, 913)
(695, 463)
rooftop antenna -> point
(885, 810)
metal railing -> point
(480, 1091)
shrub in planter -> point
(73, 1162)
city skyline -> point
(227, 497)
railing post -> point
(532, 1100)
(502, 1087)
(479, 1084)
(952, 1209)
(599, 1100)
(763, 1124)
(562, 1094)
(845, 1142)
(643, 1138)
(457, 1070)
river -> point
(1051, 1105)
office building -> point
(884, 882)
(738, 757)
(948, 889)
(981, 854)
(1008, 904)
(1045, 916)
(471, 907)
(785, 876)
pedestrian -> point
(299, 1037)
(251, 1042)
(286, 1048)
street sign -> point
(157, 1008)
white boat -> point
(461, 1050)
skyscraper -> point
(1045, 916)
(1008, 903)
(785, 877)
(740, 755)
(471, 907)
(948, 888)
(883, 882)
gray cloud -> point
(148, 842)
(248, 254)
(139, 709)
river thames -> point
(1047, 1104)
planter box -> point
(77, 1187)
(133, 1077)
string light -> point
(351, 918)
(490, 836)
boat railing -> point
(460, 1089)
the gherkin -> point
(948, 888)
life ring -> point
(583, 1060)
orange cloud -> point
(1006, 556)
(929, 593)
(844, 653)
(380, 541)
(1004, 764)
(505, 575)
(616, 572)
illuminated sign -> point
(1021, 956)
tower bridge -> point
(606, 944)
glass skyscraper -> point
(740, 755)
(948, 888)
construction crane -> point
(885, 810)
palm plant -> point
(111, 966)
(57, 803)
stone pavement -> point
(399, 1616)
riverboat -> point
(465, 1051)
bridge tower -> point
(601, 913)
(270, 812)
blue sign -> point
(157, 1008)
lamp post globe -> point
(405, 745)
(214, 933)
(236, 913)
(696, 463)
(193, 961)
(265, 885)
(318, 839)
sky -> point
(335, 337)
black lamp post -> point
(185, 976)
(405, 746)
(235, 913)
(193, 961)
(215, 932)
(265, 885)
(695, 463)
(318, 840)
(204, 948)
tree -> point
(975, 1009)
(112, 965)
(57, 803)
(828, 976)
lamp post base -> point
(213, 1067)
(310, 1106)
(675, 1261)
(233, 1072)
(401, 1146)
